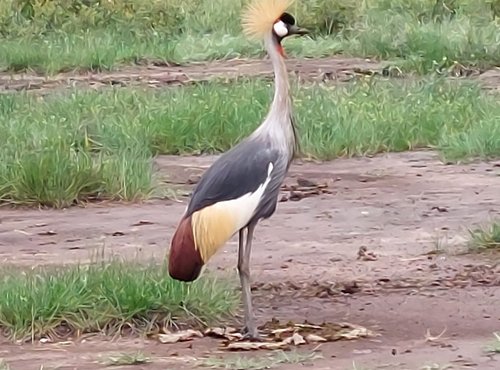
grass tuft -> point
(127, 359)
(106, 297)
(242, 362)
(436, 366)
(485, 237)
(494, 347)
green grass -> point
(418, 35)
(105, 297)
(99, 51)
(242, 362)
(494, 346)
(82, 145)
(436, 366)
(485, 237)
(127, 359)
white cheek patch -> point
(280, 29)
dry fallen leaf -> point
(365, 255)
(227, 333)
(47, 233)
(430, 338)
(357, 332)
(218, 332)
(278, 332)
(180, 336)
(296, 339)
(313, 338)
(308, 326)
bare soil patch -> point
(332, 69)
(410, 281)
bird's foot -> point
(251, 334)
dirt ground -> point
(332, 69)
(409, 209)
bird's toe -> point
(251, 334)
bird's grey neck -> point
(278, 124)
(281, 103)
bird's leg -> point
(244, 272)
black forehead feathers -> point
(287, 18)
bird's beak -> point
(295, 30)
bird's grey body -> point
(241, 171)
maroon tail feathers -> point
(185, 261)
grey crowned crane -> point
(242, 186)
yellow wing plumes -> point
(213, 226)
(260, 15)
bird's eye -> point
(280, 29)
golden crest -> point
(260, 15)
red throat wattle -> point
(281, 51)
